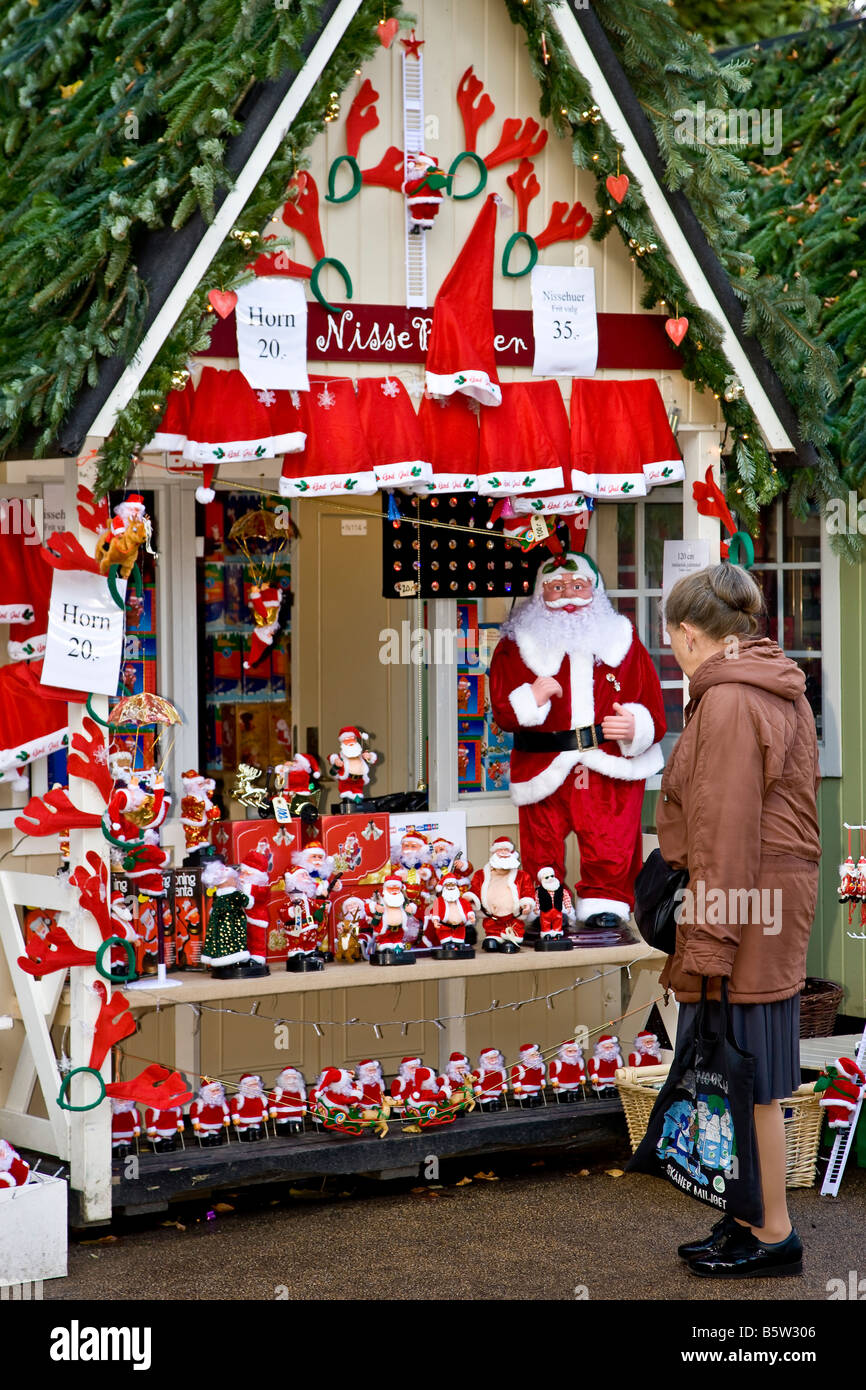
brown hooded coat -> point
(737, 808)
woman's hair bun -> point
(735, 587)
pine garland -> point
(721, 23)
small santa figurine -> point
(505, 894)
(568, 1071)
(841, 1096)
(197, 811)
(393, 931)
(162, 1128)
(401, 1086)
(315, 878)
(265, 605)
(425, 1092)
(249, 1107)
(14, 1171)
(368, 1075)
(123, 926)
(125, 1126)
(529, 1075)
(423, 188)
(446, 858)
(209, 1113)
(254, 881)
(302, 935)
(456, 1077)
(336, 1092)
(571, 680)
(489, 1079)
(412, 867)
(647, 1052)
(447, 921)
(603, 1064)
(225, 944)
(351, 765)
(287, 1103)
(553, 907)
(352, 931)
(300, 774)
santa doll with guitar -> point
(571, 680)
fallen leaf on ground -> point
(462, 1182)
(176, 1224)
(223, 1206)
(487, 1177)
(539, 1163)
(101, 1240)
(613, 1172)
(303, 1192)
(411, 1129)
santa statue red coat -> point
(163, 1124)
(448, 918)
(594, 788)
(518, 880)
(844, 1091)
(529, 1075)
(288, 1099)
(647, 1052)
(249, 1107)
(567, 1070)
(14, 1172)
(209, 1111)
(603, 1065)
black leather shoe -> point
(741, 1256)
(692, 1250)
(601, 921)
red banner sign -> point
(389, 333)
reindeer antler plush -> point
(54, 814)
(92, 765)
(114, 1022)
(92, 893)
(54, 951)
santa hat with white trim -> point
(336, 458)
(461, 358)
(393, 433)
(228, 423)
(173, 429)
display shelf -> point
(162, 1177)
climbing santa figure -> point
(573, 683)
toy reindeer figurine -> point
(130, 529)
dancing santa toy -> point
(288, 1102)
(528, 1077)
(647, 1052)
(573, 683)
(395, 929)
(425, 1096)
(505, 894)
(162, 1128)
(210, 1114)
(254, 881)
(265, 604)
(249, 1108)
(553, 908)
(423, 188)
(351, 766)
(335, 1093)
(197, 812)
(401, 1086)
(603, 1064)
(368, 1076)
(845, 1089)
(412, 866)
(568, 1072)
(446, 858)
(125, 1126)
(456, 1077)
(447, 922)
(14, 1172)
(489, 1081)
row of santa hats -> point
(471, 434)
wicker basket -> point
(639, 1088)
(819, 1004)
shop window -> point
(788, 568)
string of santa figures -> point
(852, 881)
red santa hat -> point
(131, 509)
(349, 734)
(528, 1048)
(621, 441)
(285, 411)
(450, 429)
(461, 356)
(228, 423)
(608, 1039)
(32, 722)
(173, 429)
(502, 845)
(645, 1038)
(256, 861)
(516, 453)
(336, 459)
(458, 1057)
(449, 881)
(331, 1076)
(250, 1076)
(489, 1052)
(411, 1062)
(569, 566)
(393, 885)
(25, 584)
(309, 764)
(412, 836)
(565, 499)
(845, 1066)
(393, 433)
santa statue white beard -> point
(252, 1090)
(586, 628)
(289, 1080)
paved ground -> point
(546, 1228)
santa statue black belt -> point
(558, 741)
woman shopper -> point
(738, 809)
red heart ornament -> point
(386, 31)
(677, 329)
(617, 186)
(222, 301)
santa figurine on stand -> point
(335, 1093)
(446, 858)
(573, 683)
(368, 1075)
(14, 1171)
(197, 812)
(298, 779)
(603, 1065)
(125, 1126)
(249, 1108)
(315, 878)
(288, 1102)
(553, 908)
(447, 922)
(302, 935)
(505, 894)
(395, 929)
(401, 1086)
(457, 1078)
(210, 1114)
(265, 605)
(529, 1076)
(425, 1096)
(647, 1052)
(224, 948)
(489, 1080)
(162, 1128)
(351, 766)
(568, 1072)
(254, 881)
(411, 865)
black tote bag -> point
(655, 902)
(701, 1133)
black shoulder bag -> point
(656, 902)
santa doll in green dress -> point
(225, 941)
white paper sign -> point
(85, 633)
(564, 321)
(271, 316)
(681, 557)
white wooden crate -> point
(33, 1237)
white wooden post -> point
(442, 709)
(701, 449)
(90, 1147)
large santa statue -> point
(576, 687)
